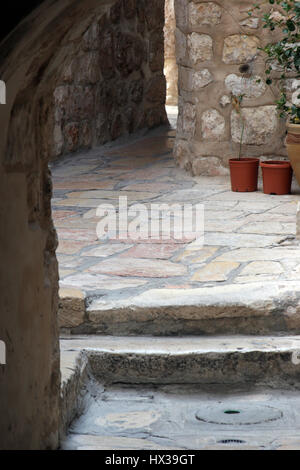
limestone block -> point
(240, 48)
(252, 87)
(181, 46)
(71, 310)
(204, 14)
(189, 120)
(250, 22)
(260, 125)
(215, 271)
(200, 47)
(193, 80)
(181, 11)
(181, 152)
(213, 125)
(208, 166)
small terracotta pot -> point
(277, 177)
(244, 174)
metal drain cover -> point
(241, 413)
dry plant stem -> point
(241, 140)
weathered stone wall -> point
(171, 68)
(213, 41)
(113, 82)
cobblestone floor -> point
(249, 237)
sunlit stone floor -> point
(249, 237)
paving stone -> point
(260, 254)
(195, 255)
(188, 195)
(270, 216)
(65, 272)
(286, 208)
(270, 228)
(77, 234)
(224, 225)
(71, 247)
(152, 187)
(90, 282)
(215, 271)
(133, 162)
(62, 214)
(72, 170)
(139, 268)
(295, 273)
(78, 202)
(107, 250)
(112, 195)
(145, 174)
(262, 267)
(78, 223)
(151, 251)
(92, 442)
(288, 443)
(73, 185)
(256, 278)
(147, 147)
(241, 239)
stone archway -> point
(34, 130)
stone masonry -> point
(213, 41)
(112, 83)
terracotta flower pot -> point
(293, 147)
(244, 174)
(277, 177)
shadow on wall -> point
(112, 82)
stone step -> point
(254, 308)
(225, 360)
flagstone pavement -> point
(249, 237)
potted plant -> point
(283, 70)
(277, 177)
(243, 171)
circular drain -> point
(231, 441)
(245, 413)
